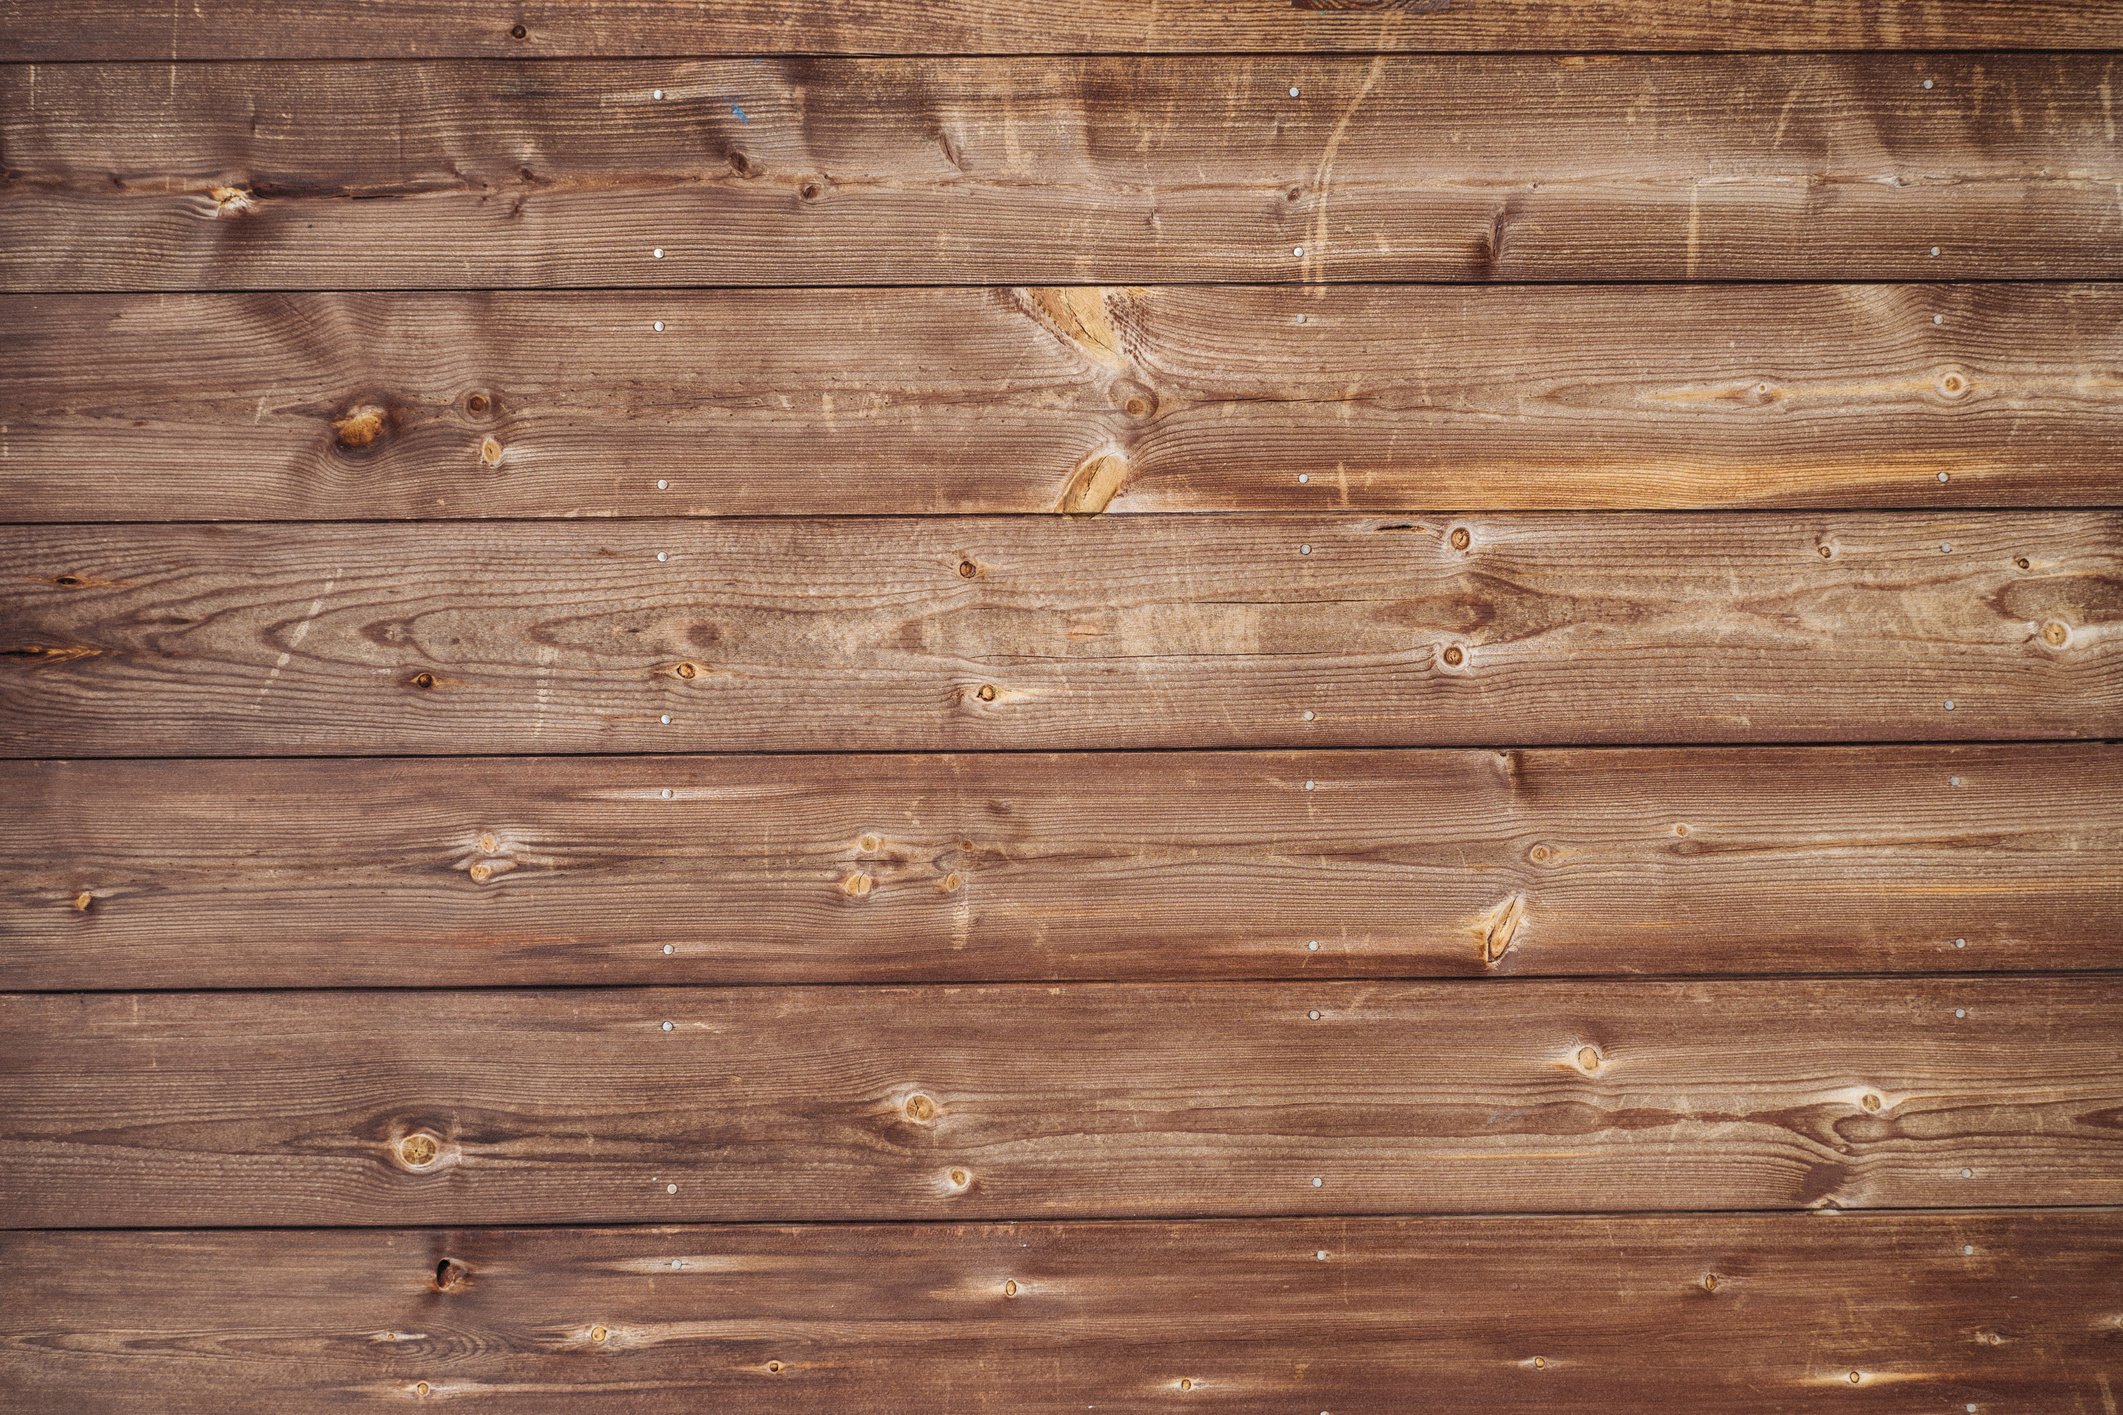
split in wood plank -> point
(1079, 1101)
(429, 873)
(1529, 1315)
(402, 29)
(1372, 398)
(1060, 171)
(1058, 632)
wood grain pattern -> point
(1090, 1100)
(1700, 1314)
(1059, 632)
(397, 29)
(1074, 171)
(366, 407)
(425, 873)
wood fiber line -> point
(858, 402)
(1057, 632)
(1903, 1312)
(402, 29)
(413, 873)
(1057, 171)
(1113, 1100)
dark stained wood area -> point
(880, 402)
(337, 29)
(1097, 632)
(335, 873)
(1175, 1099)
(604, 808)
(1072, 171)
(1666, 1313)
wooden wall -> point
(1258, 705)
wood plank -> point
(1754, 1312)
(1069, 171)
(1064, 1101)
(429, 873)
(825, 402)
(399, 29)
(1058, 632)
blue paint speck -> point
(740, 114)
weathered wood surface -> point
(1057, 632)
(1107, 1100)
(1101, 171)
(397, 29)
(1901, 1312)
(366, 407)
(428, 873)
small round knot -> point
(967, 569)
(1455, 656)
(418, 1150)
(1588, 1059)
(2055, 634)
(987, 693)
(919, 1109)
(422, 680)
(515, 32)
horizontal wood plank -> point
(1057, 632)
(1071, 171)
(369, 407)
(426, 873)
(1694, 1314)
(398, 29)
(1105, 1100)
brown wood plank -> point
(1085, 1100)
(1902, 1312)
(365, 407)
(1110, 170)
(1057, 632)
(425, 873)
(398, 29)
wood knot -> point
(948, 884)
(420, 1388)
(1460, 539)
(419, 1150)
(687, 671)
(480, 872)
(477, 404)
(84, 901)
(361, 428)
(809, 191)
(959, 1179)
(1871, 1101)
(231, 201)
(1588, 1059)
(450, 1275)
(422, 680)
(986, 693)
(967, 569)
(773, 1368)
(919, 1109)
(490, 451)
(856, 885)
(1098, 478)
(1455, 656)
(518, 32)
(2021, 561)
(2055, 635)
(598, 1333)
(1952, 383)
(1710, 1282)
